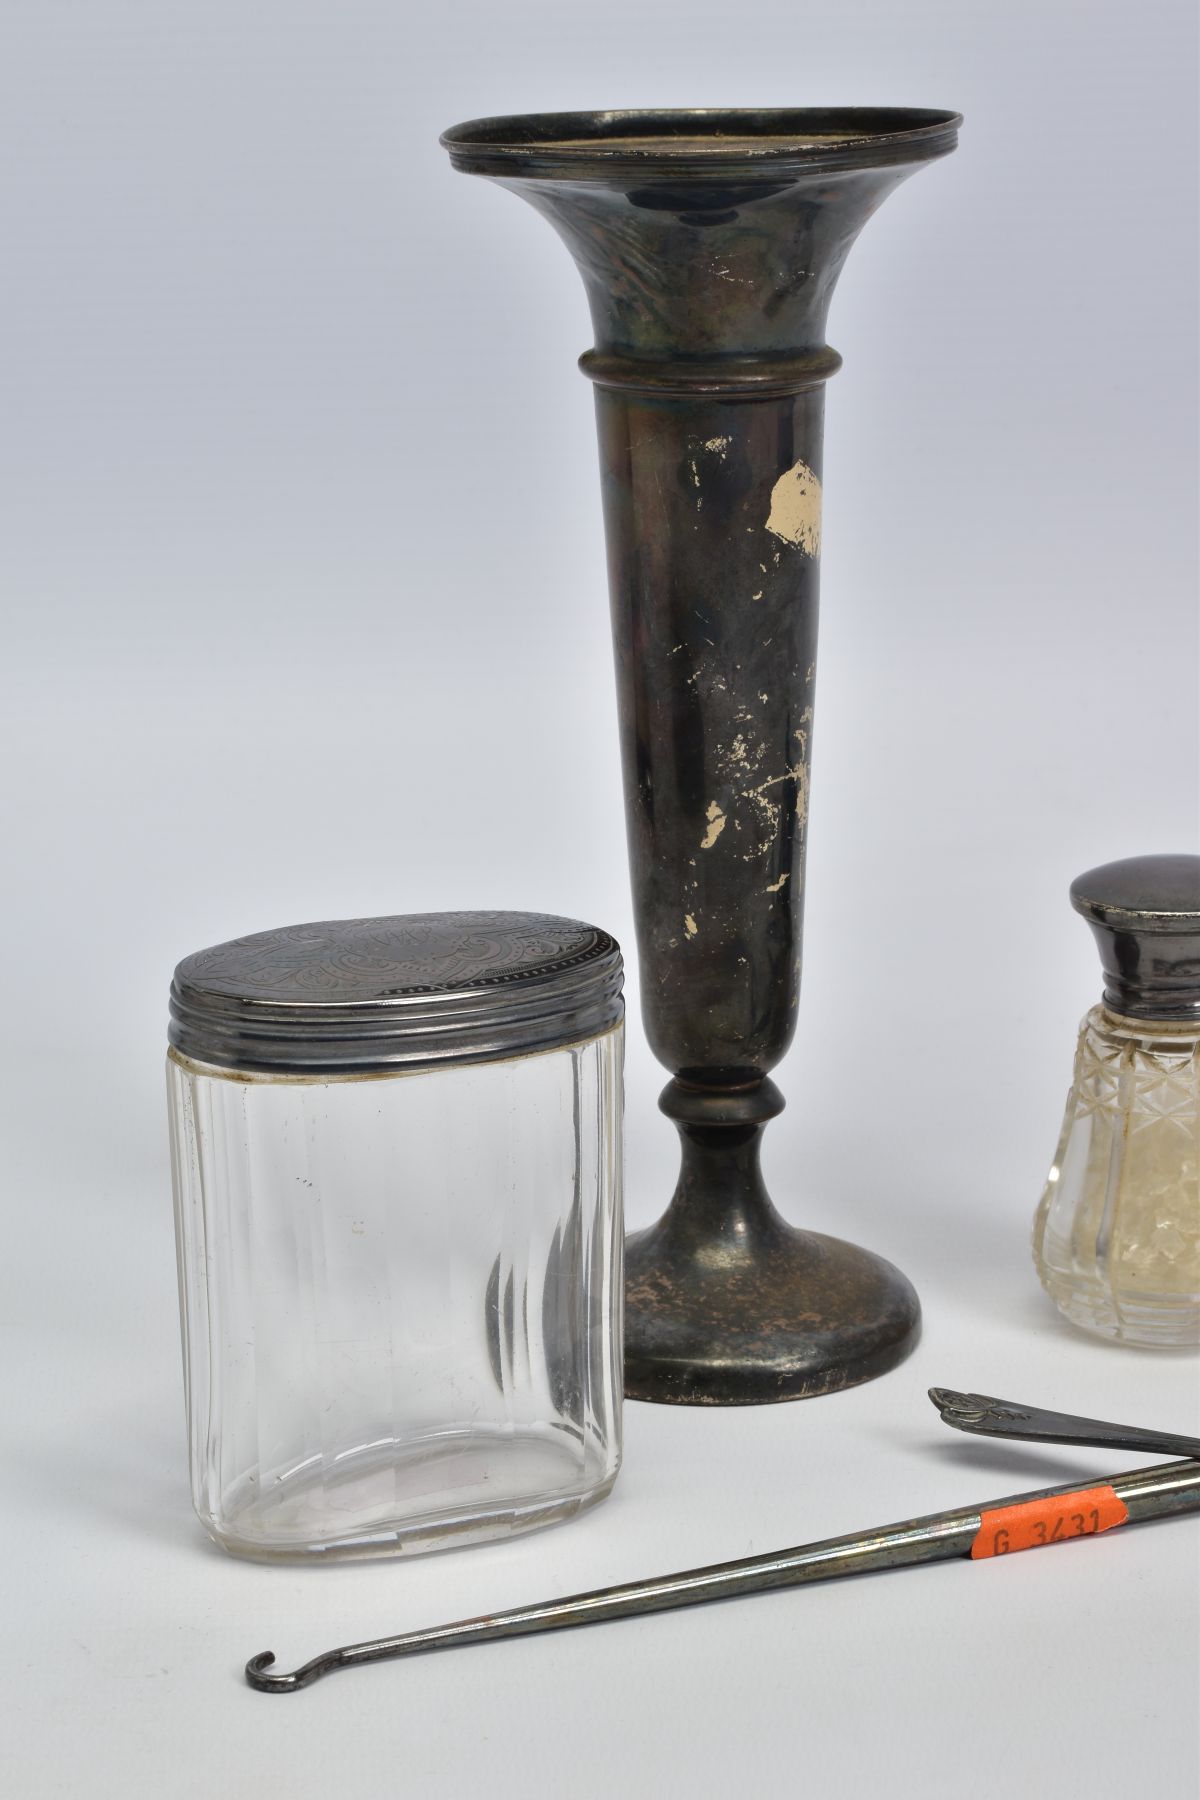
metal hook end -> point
(288, 1684)
(267, 1684)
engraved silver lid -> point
(363, 996)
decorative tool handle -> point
(1023, 1521)
(988, 1417)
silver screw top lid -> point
(369, 996)
(1145, 916)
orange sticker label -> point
(1052, 1521)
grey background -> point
(304, 607)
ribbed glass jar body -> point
(1116, 1238)
(400, 1298)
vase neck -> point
(707, 269)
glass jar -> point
(396, 1154)
(1117, 1234)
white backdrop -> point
(303, 588)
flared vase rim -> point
(695, 142)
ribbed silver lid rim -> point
(406, 992)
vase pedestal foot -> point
(711, 1322)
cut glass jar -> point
(1116, 1238)
(396, 1164)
